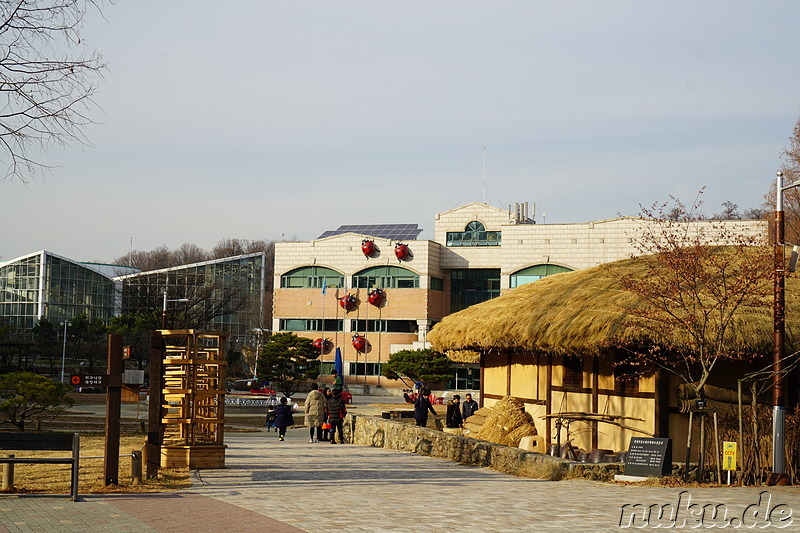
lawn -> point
(54, 479)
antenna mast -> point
(484, 174)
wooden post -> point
(509, 361)
(154, 426)
(481, 386)
(113, 409)
(8, 475)
(136, 467)
(719, 457)
(701, 457)
(548, 429)
(741, 431)
(595, 399)
(688, 447)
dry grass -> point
(585, 311)
(545, 470)
(54, 479)
(507, 423)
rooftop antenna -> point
(484, 174)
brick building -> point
(478, 252)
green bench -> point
(43, 441)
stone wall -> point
(396, 435)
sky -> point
(279, 120)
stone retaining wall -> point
(396, 435)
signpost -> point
(649, 457)
(90, 380)
(730, 455)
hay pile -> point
(506, 423)
(474, 424)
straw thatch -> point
(586, 311)
(507, 423)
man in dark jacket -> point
(453, 419)
(421, 407)
(469, 407)
(335, 411)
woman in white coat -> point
(315, 413)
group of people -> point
(325, 411)
(456, 411)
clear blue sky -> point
(263, 119)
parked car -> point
(247, 384)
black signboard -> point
(649, 457)
(83, 380)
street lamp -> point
(64, 351)
(779, 348)
(164, 310)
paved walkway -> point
(318, 487)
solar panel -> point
(395, 232)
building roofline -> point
(189, 265)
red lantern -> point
(401, 251)
(359, 342)
(375, 297)
(321, 344)
(368, 247)
(347, 302)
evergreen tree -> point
(423, 366)
(286, 361)
(25, 394)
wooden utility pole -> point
(113, 409)
(154, 415)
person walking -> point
(326, 425)
(453, 418)
(336, 411)
(469, 407)
(283, 418)
(315, 413)
(421, 407)
(338, 381)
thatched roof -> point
(585, 312)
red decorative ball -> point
(401, 251)
(368, 247)
(359, 343)
(375, 297)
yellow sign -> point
(729, 455)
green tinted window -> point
(312, 277)
(474, 234)
(386, 277)
(534, 273)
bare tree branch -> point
(48, 79)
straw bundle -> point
(586, 311)
(507, 423)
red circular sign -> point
(76, 380)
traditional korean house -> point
(562, 346)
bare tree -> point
(229, 247)
(48, 78)
(693, 285)
(161, 257)
(791, 197)
(188, 253)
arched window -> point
(474, 234)
(534, 273)
(311, 277)
(386, 277)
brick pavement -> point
(382, 490)
(318, 487)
